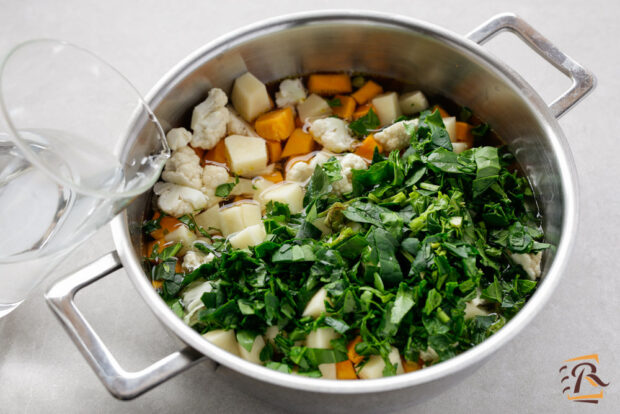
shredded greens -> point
(423, 233)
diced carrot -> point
(274, 177)
(298, 122)
(362, 110)
(354, 357)
(217, 153)
(199, 151)
(346, 108)
(367, 148)
(167, 224)
(157, 284)
(177, 267)
(442, 111)
(410, 366)
(329, 84)
(367, 92)
(463, 133)
(274, 149)
(345, 370)
(276, 125)
(299, 143)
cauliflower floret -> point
(193, 260)
(348, 163)
(177, 200)
(178, 138)
(291, 93)
(530, 262)
(332, 133)
(212, 177)
(183, 168)
(430, 355)
(238, 126)
(301, 172)
(395, 136)
(473, 309)
(210, 120)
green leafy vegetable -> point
(365, 124)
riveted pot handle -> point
(122, 384)
(583, 81)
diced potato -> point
(321, 338)
(387, 107)
(246, 155)
(271, 333)
(239, 216)
(249, 97)
(260, 185)
(313, 107)
(328, 371)
(450, 124)
(250, 236)
(227, 340)
(251, 213)
(459, 147)
(316, 305)
(288, 193)
(181, 234)
(413, 102)
(254, 354)
(276, 125)
(209, 220)
(374, 367)
(231, 220)
(244, 186)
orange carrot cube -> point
(276, 125)
(329, 84)
(367, 92)
(346, 108)
(299, 143)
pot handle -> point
(121, 384)
(583, 80)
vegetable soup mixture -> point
(341, 227)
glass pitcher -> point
(64, 166)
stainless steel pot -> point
(441, 62)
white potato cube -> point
(260, 184)
(313, 107)
(231, 220)
(288, 193)
(413, 102)
(321, 338)
(246, 155)
(387, 107)
(328, 371)
(243, 187)
(254, 354)
(450, 124)
(374, 367)
(250, 236)
(181, 234)
(271, 333)
(209, 220)
(227, 340)
(316, 305)
(459, 147)
(239, 216)
(250, 97)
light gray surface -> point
(40, 370)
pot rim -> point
(460, 362)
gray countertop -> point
(41, 370)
